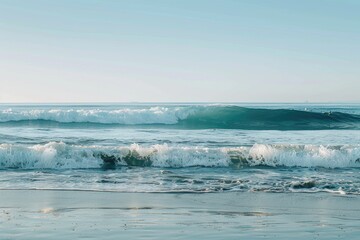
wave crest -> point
(189, 117)
(125, 116)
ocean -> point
(181, 148)
(179, 171)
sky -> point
(179, 51)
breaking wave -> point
(189, 117)
(125, 116)
(58, 155)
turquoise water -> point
(181, 147)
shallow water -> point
(26, 214)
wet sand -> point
(47, 214)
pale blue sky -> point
(218, 51)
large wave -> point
(190, 117)
(58, 155)
(124, 116)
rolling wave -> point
(188, 117)
(58, 155)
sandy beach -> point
(48, 214)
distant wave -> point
(125, 116)
(190, 117)
(233, 117)
(58, 155)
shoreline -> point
(44, 214)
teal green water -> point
(181, 147)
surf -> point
(59, 155)
(182, 117)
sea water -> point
(163, 147)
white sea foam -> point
(305, 155)
(52, 155)
(58, 155)
(153, 115)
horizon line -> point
(184, 102)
